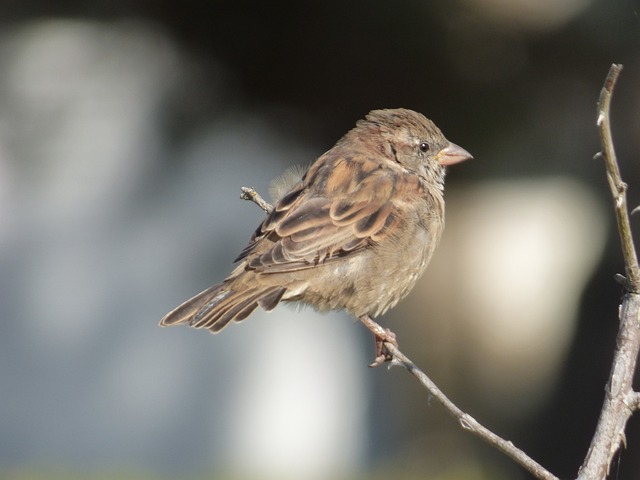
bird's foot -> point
(382, 335)
(381, 352)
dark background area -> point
(243, 90)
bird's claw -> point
(382, 355)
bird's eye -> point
(424, 147)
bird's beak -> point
(452, 154)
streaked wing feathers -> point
(315, 224)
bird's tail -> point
(215, 307)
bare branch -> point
(249, 193)
(620, 400)
(634, 401)
(467, 421)
(618, 187)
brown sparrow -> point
(354, 234)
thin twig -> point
(467, 421)
(620, 400)
(618, 187)
(249, 193)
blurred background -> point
(126, 131)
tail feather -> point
(219, 318)
(185, 311)
(271, 298)
(212, 312)
(220, 304)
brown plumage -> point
(355, 233)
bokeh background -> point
(126, 130)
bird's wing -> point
(331, 214)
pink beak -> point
(452, 154)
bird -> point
(354, 233)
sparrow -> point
(354, 233)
